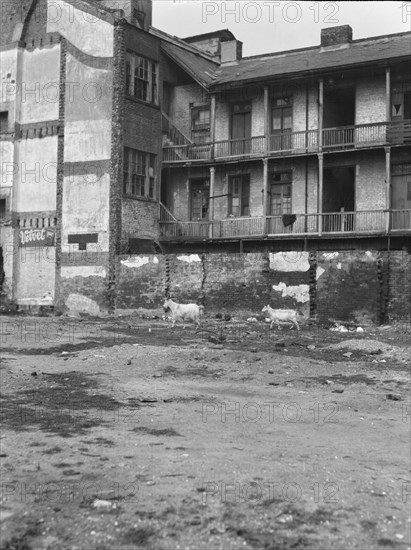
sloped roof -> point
(199, 67)
(315, 59)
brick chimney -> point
(137, 12)
(336, 35)
(231, 51)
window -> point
(200, 124)
(140, 17)
(142, 78)
(4, 122)
(239, 195)
(280, 193)
(281, 115)
(2, 208)
(139, 174)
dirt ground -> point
(123, 433)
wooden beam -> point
(388, 186)
(265, 195)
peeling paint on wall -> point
(190, 259)
(330, 255)
(301, 293)
(139, 261)
(289, 261)
(69, 272)
(79, 303)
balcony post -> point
(388, 93)
(265, 194)
(266, 118)
(388, 187)
(212, 124)
(320, 113)
(320, 193)
(211, 207)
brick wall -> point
(399, 286)
(139, 219)
(348, 286)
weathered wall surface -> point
(345, 286)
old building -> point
(135, 162)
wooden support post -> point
(320, 113)
(266, 118)
(265, 194)
(211, 207)
(388, 93)
(320, 192)
(388, 187)
(212, 123)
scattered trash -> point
(329, 382)
(129, 362)
(157, 375)
(227, 317)
(149, 400)
(34, 373)
(339, 328)
(360, 329)
(311, 347)
(273, 384)
(102, 504)
(393, 397)
(338, 391)
(347, 354)
(270, 372)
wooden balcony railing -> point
(294, 143)
(332, 223)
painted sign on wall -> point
(37, 237)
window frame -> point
(142, 77)
(243, 195)
(200, 133)
(139, 174)
(285, 181)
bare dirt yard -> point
(122, 433)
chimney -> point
(136, 12)
(231, 51)
(336, 35)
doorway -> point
(240, 128)
(200, 199)
(338, 197)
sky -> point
(268, 26)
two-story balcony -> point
(359, 136)
(370, 222)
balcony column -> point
(212, 123)
(211, 207)
(388, 93)
(265, 194)
(388, 187)
(266, 118)
(320, 192)
(320, 113)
